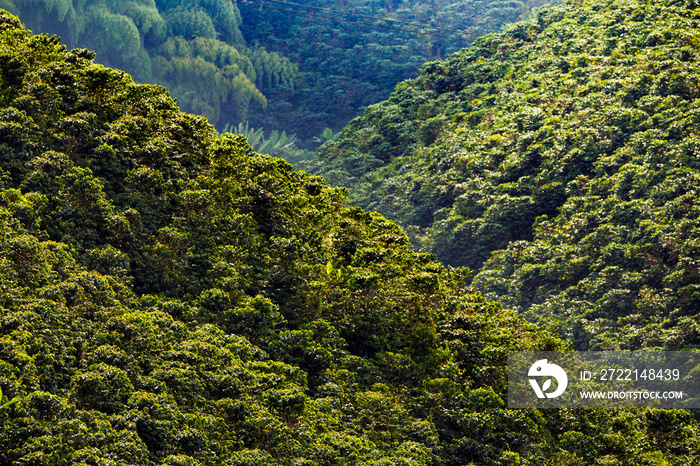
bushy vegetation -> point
(275, 143)
(559, 160)
(280, 70)
(194, 47)
(344, 67)
(171, 297)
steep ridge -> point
(559, 160)
(170, 297)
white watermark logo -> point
(604, 379)
(542, 368)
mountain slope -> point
(560, 157)
(171, 297)
(345, 66)
(229, 61)
(194, 47)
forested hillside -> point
(284, 71)
(560, 161)
(194, 47)
(344, 66)
(170, 297)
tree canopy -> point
(344, 67)
(194, 47)
(280, 70)
(559, 161)
(171, 297)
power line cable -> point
(376, 17)
(351, 21)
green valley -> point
(171, 297)
(559, 161)
(281, 70)
(168, 296)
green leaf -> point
(11, 402)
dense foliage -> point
(194, 47)
(561, 157)
(170, 297)
(344, 67)
(282, 70)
